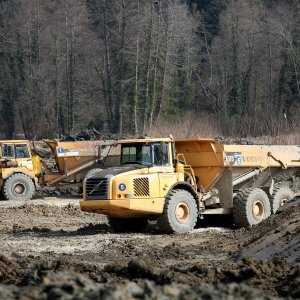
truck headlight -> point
(129, 196)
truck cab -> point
(18, 169)
(137, 188)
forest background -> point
(194, 67)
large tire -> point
(180, 212)
(250, 207)
(281, 195)
(18, 187)
(122, 225)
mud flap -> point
(225, 188)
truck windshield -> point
(145, 154)
(139, 153)
(15, 151)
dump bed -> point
(69, 155)
(74, 159)
(209, 158)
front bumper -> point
(124, 207)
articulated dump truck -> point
(177, 182)
(22, 173)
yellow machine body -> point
(199, 166)
(145, 193)
(16, 157)
(145, 188)
(209, 158)
(21, 172)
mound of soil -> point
(92, 135)
(277, 236)
(52, 250)
(61, 279)
(65, 285)
(232, 141)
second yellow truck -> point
(22, 173)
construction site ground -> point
(52, 250)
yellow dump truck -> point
(21, 172)
(177, 182)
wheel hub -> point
(19, 189)
(258, 210)
(283, 202)
(182, 212)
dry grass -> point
(193, 125)
(189, 126)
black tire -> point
(122, 225)
(18, 187)
(250, 207)
(180, 213)
(281, 195)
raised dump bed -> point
(74, 159)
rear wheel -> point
(18, 187)
(122, 225)
(250, 207)
(281, 195)
(180, 212)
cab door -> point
(164, 167)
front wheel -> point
(180, 212)
(18, 187)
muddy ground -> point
(52, 250)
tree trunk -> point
(119, 100)
(136, 89)
(147, 100)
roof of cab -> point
(143, 140)
(13, 141)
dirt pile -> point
(273, 276)
(92, 135)
(50, 249)
(44, 216)
(41, 149)
(139, 279)
(233, 141)
(67, 285)
(278, 236)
